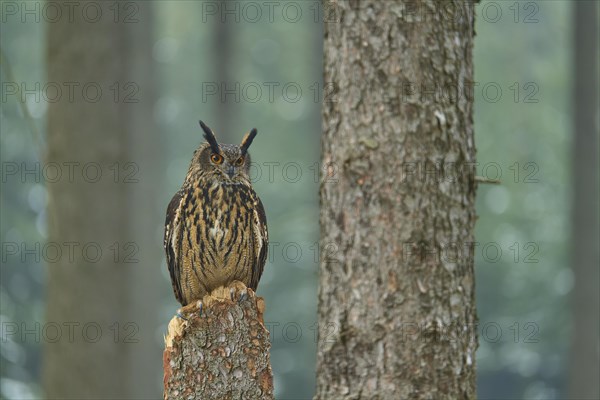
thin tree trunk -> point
(396, 302)
(145, 147)
(223, 48)
(222, 353)
(103, 294)
(585, 369)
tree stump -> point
(220, 353)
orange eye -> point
(239, 161)
(216, 158)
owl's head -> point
(226, 162)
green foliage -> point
(524, 291)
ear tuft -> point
(247, 140)
(210, 138)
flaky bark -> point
(396, 302)
(221, 353)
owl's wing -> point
(172, 242)
(261, 241)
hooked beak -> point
(231, 171)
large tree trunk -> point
(396, 302)
(584, 369)
(104, 297)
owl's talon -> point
(231, 294)
(243, 296)
(180, 315)
(200, 307)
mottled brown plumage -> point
(216, 228)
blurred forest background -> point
(266, 72)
